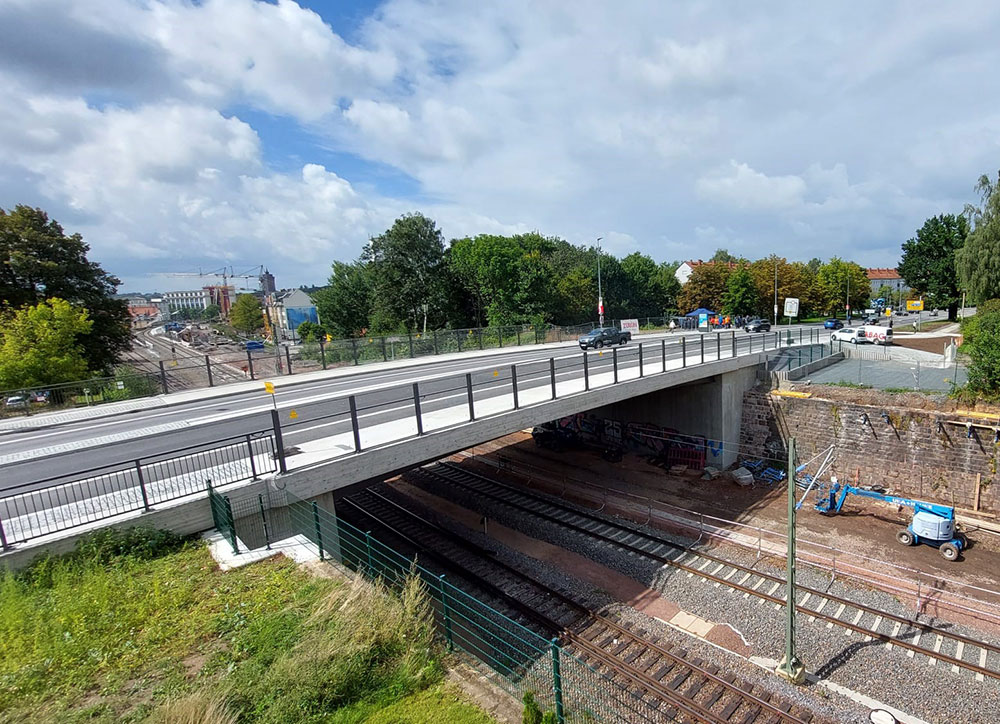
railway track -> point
(938, 644)
(659, 682)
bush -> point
(982, 344)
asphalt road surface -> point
(70, 450)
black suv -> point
(757, 325)
(604, 336)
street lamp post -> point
(848, 300)
(600, 296)
(775, 291)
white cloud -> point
(802, 130)
(741, 186)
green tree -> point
(409, 276)
(310, 331)
(978, 260)
(722, 256)
(667, 287)
(345, 304)
(39, 261)
(644, 297)
(741, 296)
(246, 315)
(982, 343)
(929, 260)
(41, 344)
(833, 281)
(706, 287)
(212, 311)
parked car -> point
(757, 325)
(874, 320)
(16, 402)
(253, 344)
(41, 397)
(854, 335)
(833, 324)
(604, 336)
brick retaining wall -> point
(908, 457)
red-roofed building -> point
(879, 278)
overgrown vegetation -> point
(981, 335)
(141, 626)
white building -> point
(198, 299)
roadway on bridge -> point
(321, 406)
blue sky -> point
(176, 135)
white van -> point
(877, 335)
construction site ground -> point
(861, 528)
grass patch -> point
(849, 385)
(142, 626)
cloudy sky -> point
(178, 135)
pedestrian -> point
(673, 325)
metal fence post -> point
(208, 368)
(163, 378)
(253, 464)
(701, 340)
(3, 537)
(142, 486)
(777, 340)
(385, 356)
(354, 423)
(614, 363)
(322, 353)
(434, 339)
(552, 375)
(518, 330)
(557, 681)
(409, 336)
(684, 355)
(663, 353)
(278, 443)
(586, 372)
(263, 520)
(513, 383)
(231, 524)
(500, 336)
(718, 346)
(479, 336)
(288, 358)
(319, 530)
(354, 348)
(468, 392)
(416, 409)
(446, 612)
(640, 359)
(734, 342)
(368, 546)
(250, 364)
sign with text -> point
(630, 325)
(791, 307)
(703, 320)
(915, 305)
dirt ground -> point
(864, 528)
(926, 344)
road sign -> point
(269, 388)
(915, 305)
(791, 307)
(702, 320)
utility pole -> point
(847, 306)
(790, 667)
(775, 291)
(600, 296)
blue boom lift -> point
(932, 524)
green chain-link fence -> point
(519, 660)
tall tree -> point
(836, 280)
(741, 296)
(39, 261)
(344, 305)
(706, 287)
(978, 261)
(982, 342)
(409, 277)
(246, 316)
(723, 256)
(40, 344)
(643, 297)
(928, 263)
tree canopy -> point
(928, 265)
(40, 344)
(982, 343)
(978, 260)
(246, 314)
(741, 293)
(38, 261)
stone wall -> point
(910, 454)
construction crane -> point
(226, 273)
(932, 524)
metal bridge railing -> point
(47, 506)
